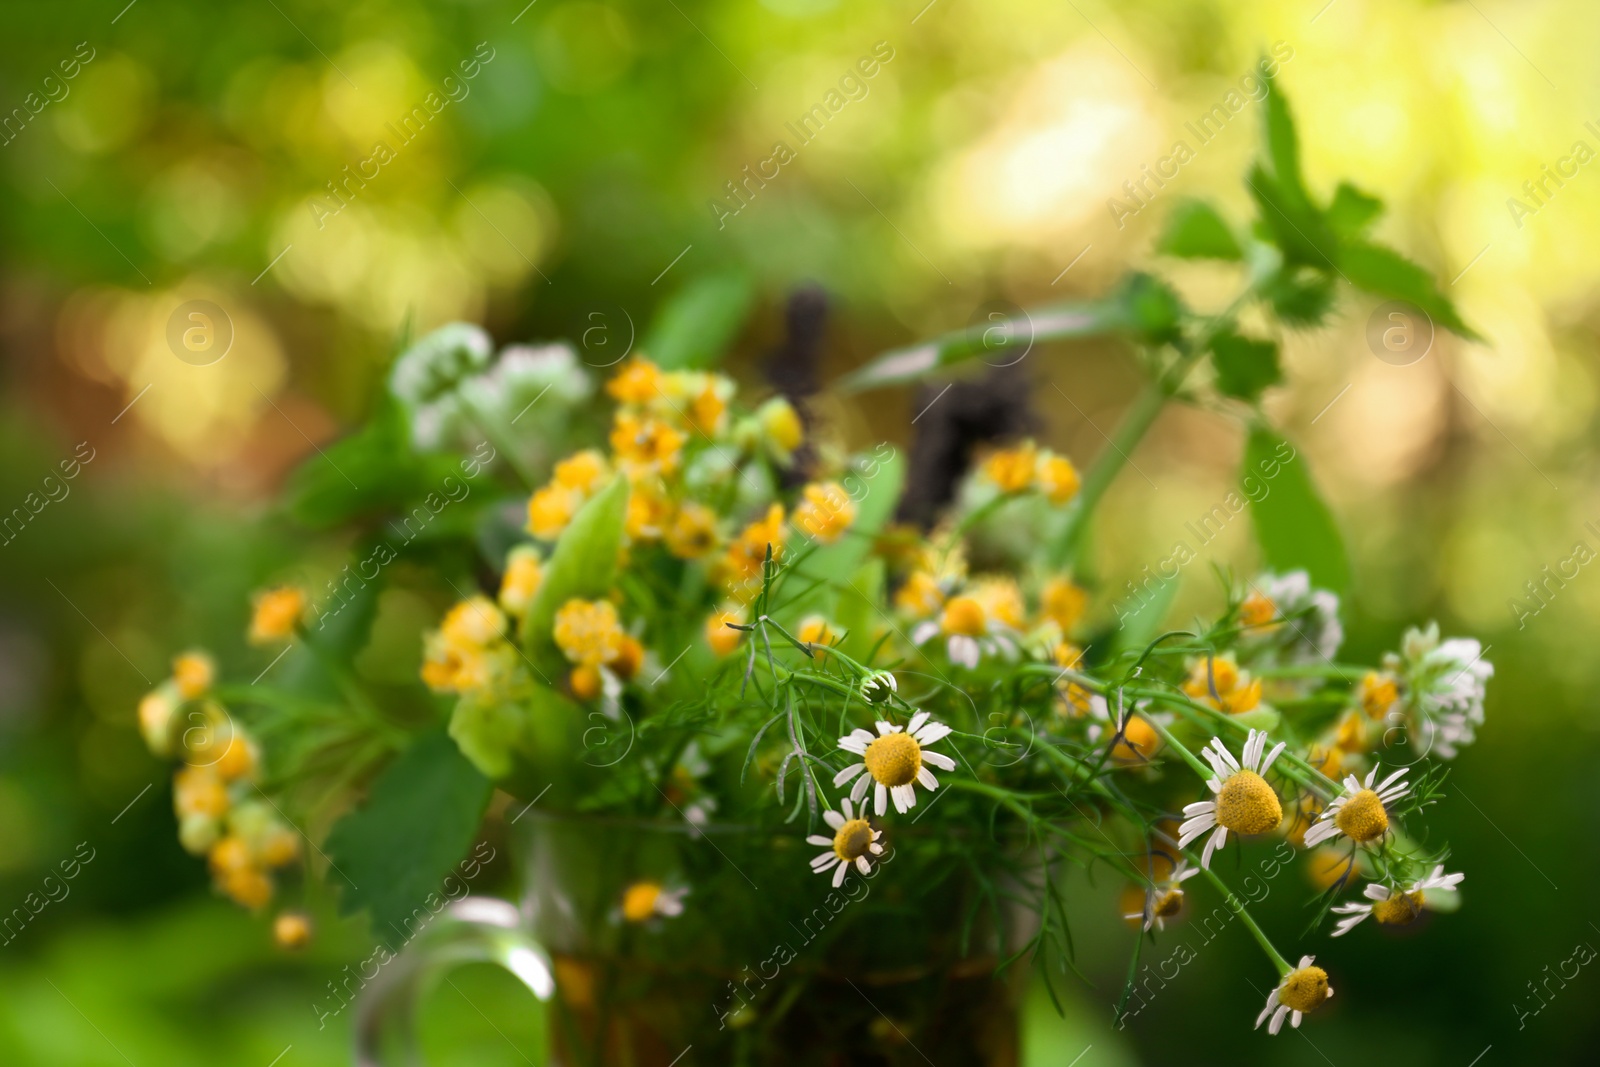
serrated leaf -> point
(1283, 143)
(1195, 231)
(1244, 366)
(1300, 296)
(1293, 526)
(693, 329)
(1385, 272)
(418, 821)
(1351, 211)
(1290, 222)
(1142, 306)
(583, 565)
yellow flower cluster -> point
(1218, 682)
(469, 651)
(276, 615)
(590, 635)
(1017, 470)
(824, 512)
(212, 794)
(574, 480)
(520, 583)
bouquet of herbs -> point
(651, 597)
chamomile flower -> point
(1361, 812)
(824, 512)
(1302, 990)
(1394, 906)
(894, 761)
(969, 631)
(878, 687)
(1164, 898)
(1244, 802)
(1217, 681)
(854, 843)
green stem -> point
(1250, 924)
(1203, 770)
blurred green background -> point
(571, 183)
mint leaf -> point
(1385, 272)
(1352, 211)
(1244, 366)
(1195, 231)
(418, 821)
(1293, 526)
(1300, 296)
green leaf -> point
(1290, 222)
(1142, 306)
(1293, 526)
(1195, 231)
(1385, 272)
(1300, 296)
(1283, 144)
(418, 821)
(367, 472)
(694, 328)
(1244, 366)
(583, 565)
(1352, 211)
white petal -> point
(939, 760)
(862, 865)
(1200, 807)
(824, 861)
(839, 873)
(1294, 1019)
(859, 790)
(926, 778)
(1214, 842)
(1277, 1019)
(834, 819)
(880, 799)
(1273, 755)
(932, 733)
(1320, 832)
(876, 850)
(885, 729)
(848, 773)
(819, 840)
(916, 723)
(923, 631)
(1272, 1002)
(849, 812)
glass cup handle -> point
(471, 930)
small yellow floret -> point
(639, 901)
(1362, 818)
(920, 595)
(550, 509)
(692, 532)
(1058, 478)
(277, 613)
(1012, 469)
(1247, 804)
(723, 638)
(588, 631)
(825, 512)
(1063, 602)
(520, 583)
(639, 382)
(194, 672)
(292, 930)
(894, 759)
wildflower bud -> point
(292, 930)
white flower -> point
(894, 760)
(523, 375)
(1361, 812)
(1398, 906)
(853, 841)
(1444, 684)
(1244, 802)
(433, 366)
(1164, 897)
(1302, 989)
(1286, 609)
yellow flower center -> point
(852, 839)
(1401, 909)
(1167, 904)
(1305, 989)
(963, 615)
(639, 901)
(894, 759)
(1362, 817)
(1247, 804)
(1257, 610)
